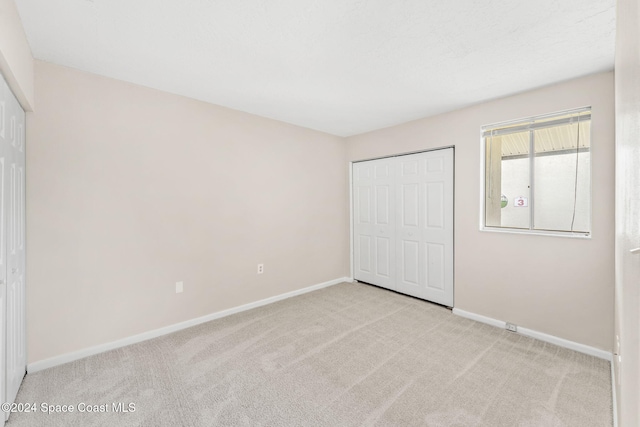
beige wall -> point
(556, 285)
(627, 91)
(132, 189)
(16, 62)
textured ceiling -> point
(339, 66)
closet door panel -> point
(435, 264)
(383, 226)
(409, 251)
(384, 223)
(425, 232)
(374, 217)
(362, 219)
(437, 234)
(410, 263)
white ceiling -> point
(339, 66)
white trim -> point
(351, 265)
(581, 348)
(539, 117)
(479, 318)
(572, 345)
(407, 153)
(614, 398)
(101, 348)
(573, 235)
(482, 180)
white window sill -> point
(580, 235)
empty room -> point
(304, 213)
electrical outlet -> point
(511, 327)
(260, 268)
(179, 287)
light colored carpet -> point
(347, 355)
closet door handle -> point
(635, 251)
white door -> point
(425, 226)
(374, 219)
(406, 203)
(16, 360)
(4, 151)
(3, 347)
(3, 267)
(13, 249)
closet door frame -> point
(352, 242)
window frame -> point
(531, 230)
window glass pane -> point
(562, 181)
(507, 181)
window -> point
(538, 174)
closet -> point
(13, 358)
(403, 224)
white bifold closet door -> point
(13, 358)
(403, 224)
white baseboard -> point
(70, 357)
(479, 318)
(582, 348)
